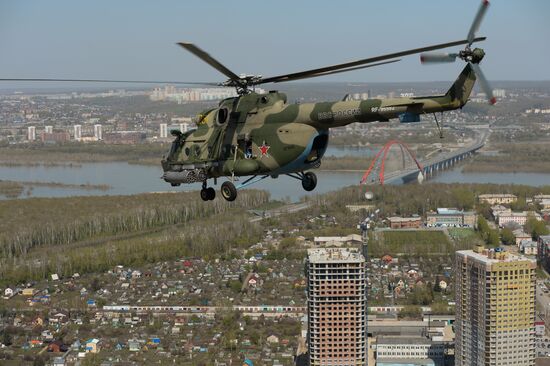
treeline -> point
(531, 157)
(345, 163)
(204, 238)
(420, 198)
(68, 220)
(50, 155)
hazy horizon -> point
(136, 39)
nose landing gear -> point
(207, 193)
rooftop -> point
(335, 255)
(493, 256)
(402, 340)
(497, 195)
(405, 361)
(403, 219)
(448, 211)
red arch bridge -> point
(411, 167)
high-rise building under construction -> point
(336, 307)
(495, 308)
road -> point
(543, 299)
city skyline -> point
(138, 41)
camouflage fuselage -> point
(260, 134)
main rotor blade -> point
(112, 81)
(477, 21)
(484, 84)
(209, 60)
(345, 70)
(349, 65)
(427, 58)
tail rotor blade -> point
(484, 84)
(433, 57)
(477, 21)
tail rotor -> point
(473, 57)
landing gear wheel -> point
(309, 181)
(211, 193)
(208, 194)
(229, 192)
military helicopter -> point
(258, 136)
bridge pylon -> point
(377, 169)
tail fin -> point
(462, 87)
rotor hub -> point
(474, 56)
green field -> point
(418, 242)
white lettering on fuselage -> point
(339, 114)
(382, 109)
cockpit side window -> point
(223, 114)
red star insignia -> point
(264, 148)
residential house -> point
(35, 343)
(38, 321)
(92, 345)
(133, 345)
(253, 280)
(528, 247)
(28, 291)
(59, 317)
(521, 236)
(57, 346)
(47, 335)
(76, 345)
(8, 293)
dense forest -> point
(46, 235)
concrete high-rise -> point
(77, 132)
(31, 133)
(336, 307)
(495, 308)
(98, 132)
(163, 130)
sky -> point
(136, 39)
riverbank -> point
(506, 158)
(14, 189)
(531, 157)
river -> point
(131, 179)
